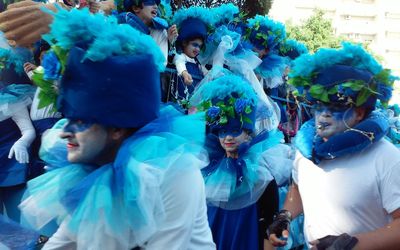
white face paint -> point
(331, 120)
(86, 142)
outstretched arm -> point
(24, 23)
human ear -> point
(116, 134)
(360, 113)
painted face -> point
(230, 140)
(86, 142)
(333, 119)
(147, 12)
(192, 48)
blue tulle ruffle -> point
(119, 205)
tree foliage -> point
(315, 32)
(251, 7)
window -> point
(392, 15)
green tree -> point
(315, 32)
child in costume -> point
(343, 149)
(193, 25)
(241, 179)
(127, 175)
(17, 132)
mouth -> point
(71, 145)
(154, 13)
(229, 145)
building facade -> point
(376, 22)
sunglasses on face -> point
(334, 108)
(75, 126)
(234, 133)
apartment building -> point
(374, 21)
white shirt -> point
(180, 63)
(351, 194)
(185, 226)
(161, 38)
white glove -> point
(20, 147)
(20, 151)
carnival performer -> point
(42, 113)
(265, 35)
(142, 15)
(293, 113)
(227, 47)
(17, 132)
(241, 179)
(192, 24)
(132, 178)
(347, 177)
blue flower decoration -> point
(340, 89)
(51, 65)
(213, 112)
(240, 105)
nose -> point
(229, 137)
(66, 134)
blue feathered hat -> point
(229, 101)
(265, 33)
(292, 49)
(192, 23)
(108, 73)
(226, 14)
(349, 75)
(12, 65)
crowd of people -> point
(125, 125)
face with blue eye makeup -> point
(331, 119)
(86, 142)
(192, 48)
(230, 140)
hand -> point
(172, 33)
(29, 67)
(187, 78)
(20, 151)
(23, 23)
(94, 6)
(279, 228)
(331, 242)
